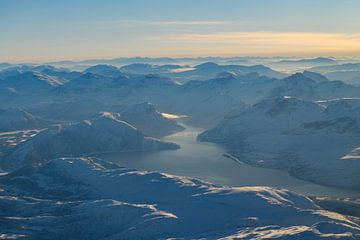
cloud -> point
(269, 42)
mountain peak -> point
(206, 65)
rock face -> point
(314, 141)
(103, 133)
(151, 122)
(133, 204)
(17, 119)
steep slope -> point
(148, 120)
(103, 133)
(310, 140)
(132, 204)
(18, 119)
(30, 83)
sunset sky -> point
(52, 30)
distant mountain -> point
(308, 61)
(86, 83)
(143, 68)
(10, 72)
(5, 65)
(103, 133)
(349, 72)
(206, 101)
(313, 87)
(17, 119)
(132, 204)
(336, 68)
(308, 139)
(210, 70)
(60, 74)
(104, 70)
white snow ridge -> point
(121, 203)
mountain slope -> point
(148, 120)
(311, 140)
(86, 191)
(18, 119)
(103, 133)
(30, 83)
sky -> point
(49, 30)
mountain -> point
(9, 72)
(349, 107)
(144, 68)
(73, 110)
(132, 204)
(349, 72)
(337, 68)
(308, 86)
(103, 133)
(313, 141)
(5, 65)
(86, 83)
(30, 82)
(104, 70)
(17, 119)
(62, 75)
(315, 76)
(210, 70)
(307, 62)
(148, 120)
(15, 91)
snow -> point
(303, 123)
(149, 121)
(103, 133)
(310, 140)
(93, 191)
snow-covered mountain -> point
(103, 133)
(132, 204)
(308, 86)
(16, 91)
(86, 83)
(30, 82)
(210, 70)
(313, 141)
(144, 68)
(60, 74)
(290, 64)
(104, 70)
(17, 119)
(148, 120)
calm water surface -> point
(206, 161)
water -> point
(206, 161)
